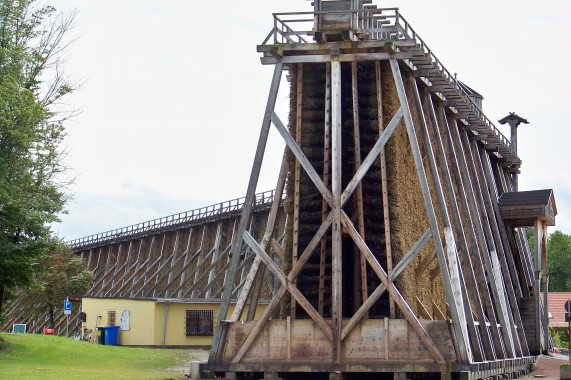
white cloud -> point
(174, 96)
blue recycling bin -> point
(111, 335)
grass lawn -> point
(30, 356)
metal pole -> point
(67, 327)
(165, 326)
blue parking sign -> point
(66, 306)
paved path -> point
(547, 368)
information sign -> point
(125, 320)
(66, 307)
(19, 328)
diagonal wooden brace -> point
(296, 150)
(295, 271)
(371, 157)
(286, 283)
(393, 291)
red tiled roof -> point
(557, 308)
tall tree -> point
(31, 131)
(559, 262)
(63, 274)
(558, 259)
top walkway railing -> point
(372, 24)
(183, 218)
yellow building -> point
(189, 322)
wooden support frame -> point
(466, 262)
(255, 268)
(235, 251)
(452, 293)
(475, 230)
(384, 183)
(336, 249)
(297, 175)
(492, 261)
(359, 191)
(324, 205)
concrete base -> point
(565, 372)
(195, 374)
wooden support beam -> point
(325, 206)
(363, 310)
(359, 191)
(200, 257)
(296, 150)
(217, 276)
(286, 283)
(336, 188)
(295, 271)
(217, 343)
(496, 222)
(545, 270)
(149, 275)
(470, 279)
(422, 311)
(381, 288)
(492, 260)
(129, 269)
(278, 249)
(538, 241)
(254, 269)
(186, 254)
(384, 184)
(371, 157)
(296, 176)
(211, 272)
(425, 263)
(399, 300)
(453, 293)
(478, 247)
(437, 312)
(410, 255)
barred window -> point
(199, 322)
(111, 318)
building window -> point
(199, 322)
(111, 318)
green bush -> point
(560, 338)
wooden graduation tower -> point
(397, 261)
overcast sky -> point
(173, 96)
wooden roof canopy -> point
(521, 208)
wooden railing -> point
(187, 217)
(372, 24)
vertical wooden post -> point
(256, 273)
(217, 344)
(297, 176)
(325, 207)
(358, 191)
(214, 258)
(186, 254)
(384, 184)
(452, 290)
(546, 331)
(336, 265)
(471, 282)
(538, 236)
(89, 259)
